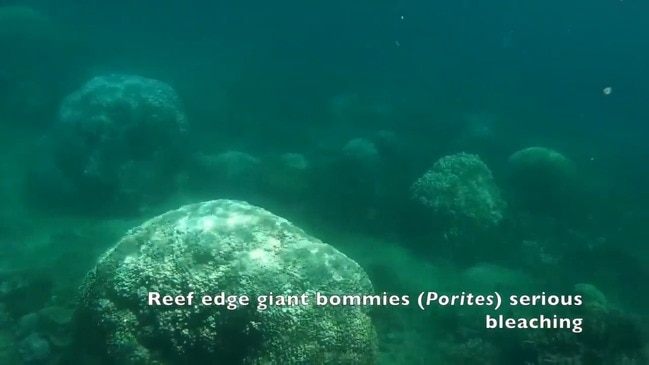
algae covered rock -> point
(213, 247)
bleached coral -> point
(462, 188)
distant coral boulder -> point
(461, 188)
(541, 178)
(118, 142)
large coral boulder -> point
(541, 166)
(543, 180)
(213, 247)
(118, 145)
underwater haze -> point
(490, 157)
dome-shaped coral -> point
(541, 177)
(461, 187)
(232, 247)
(542, 164)
(117, 146)
(118, 141)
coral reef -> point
(373, 172)
(462, 189)
(541, 165)
(542, 179)
(212, 247)
(118, 142)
